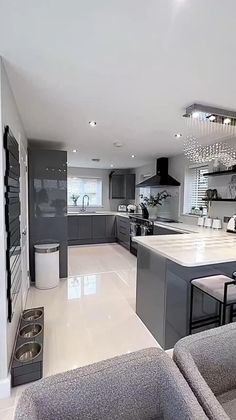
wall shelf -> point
(219, 173)
(220, 199)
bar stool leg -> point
(231, 313)
(220, 313)
(191, 309)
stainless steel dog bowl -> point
(32, 314)
(30, 330)
(28, 351)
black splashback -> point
(48, 203)
(12, 219)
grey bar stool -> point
(223, 290)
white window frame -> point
(189, 185)
(100, 205)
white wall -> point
(9, 116)
(170, 207)
(107, 204)
(177, 168)
(174, 206)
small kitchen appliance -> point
(217, 224)
(208, 222)
(122, 208)
(231, 226)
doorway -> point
(24, 224)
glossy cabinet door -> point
(73, 227)
(111, 227)
(122, 186)
(118, 186)
(85, 227)
(48, 203)
(130, 186)
(123, 231)
(91, 229)
(99, 227)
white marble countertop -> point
(193, 249)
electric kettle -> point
(231, 226)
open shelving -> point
(219, 173)
(220, 199)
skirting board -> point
(5, 387)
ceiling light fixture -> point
(205, 113)
(92, 123)
(74, 150)
(111, 165)
(178, 135)
(133, 156)
(212, 118)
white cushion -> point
(214, 286)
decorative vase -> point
(153, 212)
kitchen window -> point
(196, 185)
(77, 187)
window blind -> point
(79, 186)
(199, 186)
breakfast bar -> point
(165, 267)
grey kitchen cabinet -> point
(123, 231)
(158, 230)
(73, 228)
(99, 227)
(130, 186)
(117, 186)
(86, 229)
(110, 227)
(122, 186)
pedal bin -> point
(46, 265)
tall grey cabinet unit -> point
(48, 203)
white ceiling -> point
(131, 65)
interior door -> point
(24, 224)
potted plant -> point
(154, 201)
(75, 198)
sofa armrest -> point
(208, 362)
(141, 385)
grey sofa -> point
(142, 385)
(208, 362)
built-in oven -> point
(139, 227)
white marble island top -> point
(193, 249)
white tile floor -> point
(91, 315)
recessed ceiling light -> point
(117, 144)
(74, 150)
(133, 156)
(195, 114)
(178, 135)
(227, 121)
(212, 118)
(111, 165)
(92, 123)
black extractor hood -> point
(162, 178)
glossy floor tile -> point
(91, 315)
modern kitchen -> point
(118, 212)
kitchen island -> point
(165, 267)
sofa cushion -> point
(228, 402)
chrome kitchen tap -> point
(83, 208)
